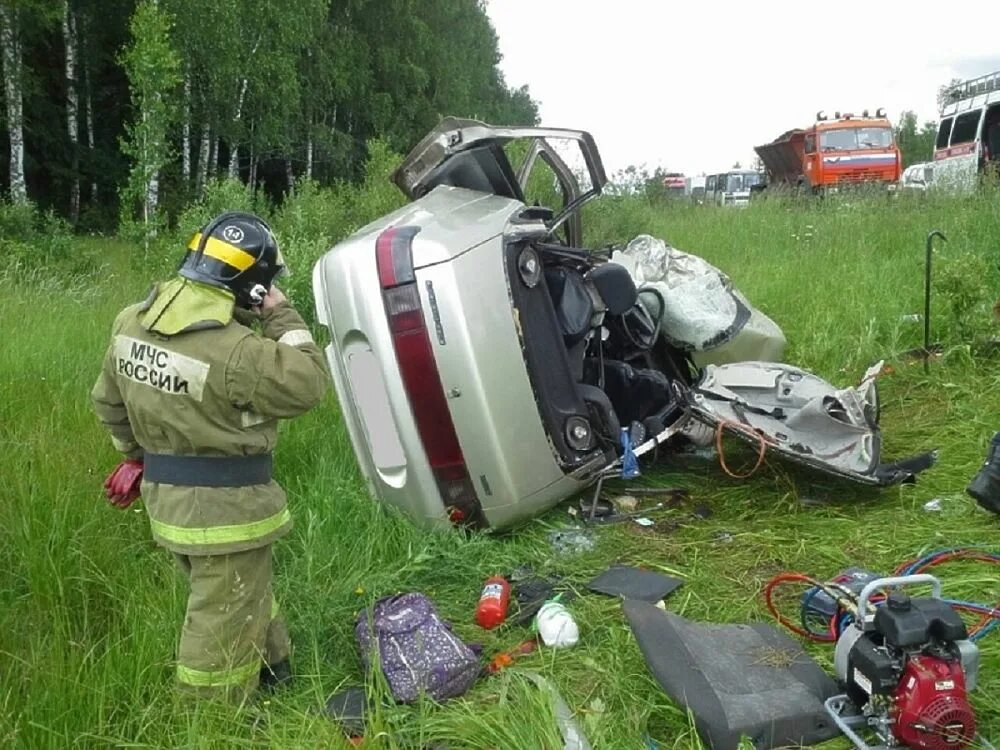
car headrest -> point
(614, 284)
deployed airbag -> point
(737, 680)
(703, 313)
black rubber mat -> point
(634, 583)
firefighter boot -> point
(276, 675)
(985, 486)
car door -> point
(476, 156)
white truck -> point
(694, 188)
(968, 137)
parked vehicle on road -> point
(673, 184)
(833, 154)
(917, 177)
(694, 189)
(732, 188)
(968, 137)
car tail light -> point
(421, 380)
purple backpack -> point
(416, 650)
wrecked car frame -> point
(486, 362)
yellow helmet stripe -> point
(222, 250)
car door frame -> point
(454, 136)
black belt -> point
(207, 471)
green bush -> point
(221, 194)
(17, 220)
(962, 286)
(313, 219)
(31, 238)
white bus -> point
(731, 188)
(968, 137)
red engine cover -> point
(931, 710)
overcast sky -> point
(694, 86)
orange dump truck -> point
(834, 153)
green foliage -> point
(915, 145)
(221, 194)
(376, 195)
(306, 82)
(314, 218)
(962, 285)
(153, 69)
(31, 239)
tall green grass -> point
(90, 607)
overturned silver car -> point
(488, 364)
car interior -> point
(592, 347)
(623, 371)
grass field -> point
(90, 607)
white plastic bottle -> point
(556, 625)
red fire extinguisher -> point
(492, 608)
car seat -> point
(580, 300)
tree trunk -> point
(234, 152)
(152, 201)
(88, 113)
(11, 42)
(213, 158)
(309, 156)
(204, 157)
(186, 129)
(72, 105)
(253, 171)
(152, 192)
(290, 176)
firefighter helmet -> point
(236, 251)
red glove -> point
(122, 485)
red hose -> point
(769, 588)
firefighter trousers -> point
(232, 627)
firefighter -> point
(192, 394)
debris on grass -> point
(571, 541)
(625, 503)
(702, 511)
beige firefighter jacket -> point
(183, 377)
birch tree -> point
(71, 45)
(153, 69)
(13, 79)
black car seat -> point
(607, 287)
(615, 286)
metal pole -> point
(927, 296)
